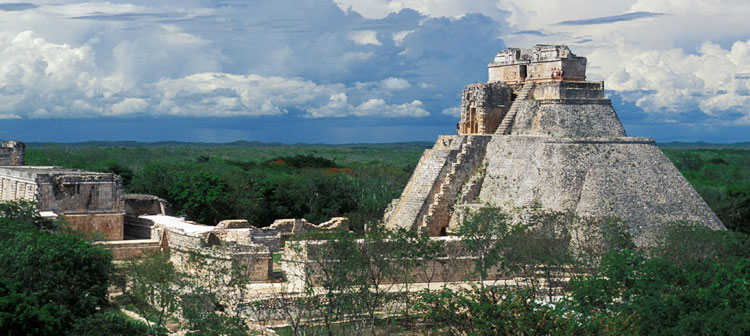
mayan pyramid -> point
(537, 135)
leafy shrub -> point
(49, 280)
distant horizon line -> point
(256, 143)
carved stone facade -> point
(90, 202)
(483, 106)
(515, 65)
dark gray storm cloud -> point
(18, 6)
(611, 19)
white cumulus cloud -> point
(364, 37)
(674, 81)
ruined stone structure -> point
(297, 226)
(90, 202)
(535, 138)
(12, 153)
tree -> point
(50, 280)
(482, 233)
(154, 289)
(694, 283)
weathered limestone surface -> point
(142, 204)
(624, 177)
(222, 248)
(483, 106)
(567, 118)
(428, 198)
(90, 201)
(108, 226)
(234, 224)
(296, 226)
(306, 260)
(423, 184)
(12, 153)
(568, 90)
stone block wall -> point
(300, 264)
(12, 153)
(572, 69)
(12, 188)
(625, 177)
(483, 107)
(110, 226)
(80, 192)
(507, 73)
(128, 249)
(567, 118)
(255, 261)
(137, 228)
(140, 204)
(568, 90)
(222, 249)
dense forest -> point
(263, 182)
(722, 177)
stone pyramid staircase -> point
(432, 167)
(438, 211)
(505, 125)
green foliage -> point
(199, 308)
(685, 242)
(696, 282)
(154, 288)
(123, 171)
(722, 178)
(261, 184)
(484, 233)
(304, 161)
(110, 323)
(50, 280)
(509, 311)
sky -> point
(349, 71)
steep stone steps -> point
(467, 161)
(421, 186)
(504, 127)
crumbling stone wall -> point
(305, 260)
(483, 106)
(255, 260)
(296, 226)
(536, 63)
(141, 204)
(91, 202)
(12, 153)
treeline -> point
(261, 184)
(258, 184)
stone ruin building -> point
(90, 202)
(537, 136)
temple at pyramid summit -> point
(539, 136)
